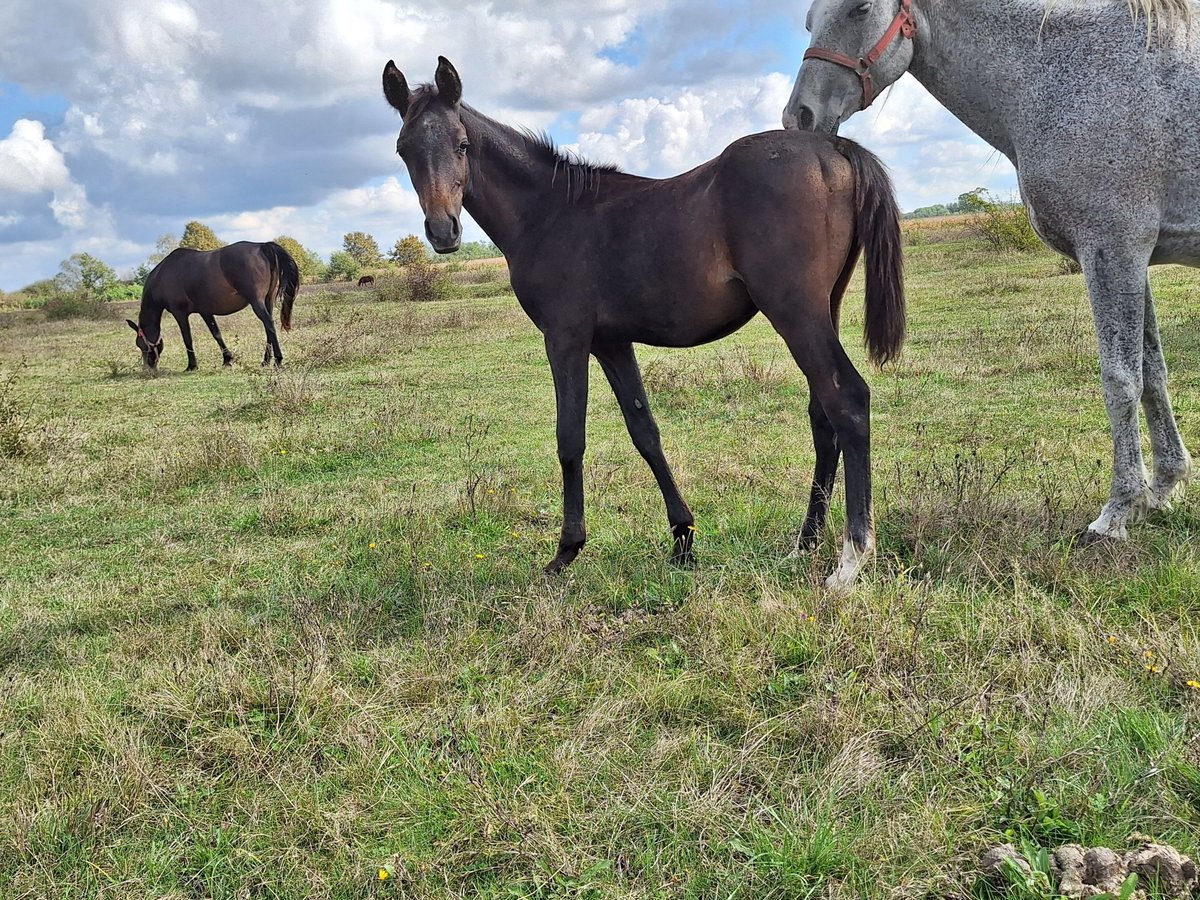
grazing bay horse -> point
(1097, 105)
(365, 280)
(600, 259)
(216, 283)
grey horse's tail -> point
(287, 278)
(877, 229)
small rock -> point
(992, 863)
(1157, 862)
(1102, 868)
(1066, 867)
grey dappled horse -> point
(1099, 111)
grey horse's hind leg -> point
(1117, 287)
(1172, 462)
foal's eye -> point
(462, 148)
(859, 11)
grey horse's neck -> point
(998, 64)
(971, 55)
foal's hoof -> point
(681, 552)
(562, 559)
(684, 559)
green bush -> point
(1005, 226)
(418, 283)
(76, 306)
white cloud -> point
(262, 119)
(31, 165)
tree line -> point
(83, 273)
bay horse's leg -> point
(1172, 462)
(1117, 287)
(569, 365)
(828, 452)
(185, 331)
(263, 311)
(621, 367)
(211, 322)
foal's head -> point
(433, 144)
(150, 351)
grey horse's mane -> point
(1160, 15)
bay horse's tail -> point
(877, 230)
(286, 278)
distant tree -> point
(84, 272)
(341, 265)
(309, 263)
(162, 248)
(199, 236)
(44, 288)
(409, 250)
(478, 250)
(363, 248)
(971, 201)
(928, 212)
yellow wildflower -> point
(384, 874)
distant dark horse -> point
(216, 283)
(600, 259)
(366, 279)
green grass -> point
(265, 633)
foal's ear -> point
(448, 83)
(130, 323)
(395, 88)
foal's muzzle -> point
(444, 233)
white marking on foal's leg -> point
(850, 565)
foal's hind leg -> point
(828, 451)
(620, 365)
(185, 331)
(1172, 462)
(263, 311)
(845, 398)
(211, 322)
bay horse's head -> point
(858, 48)
(433, 144)
(151, 351)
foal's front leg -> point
(569, 365)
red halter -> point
(904, 23)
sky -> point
(122, 120)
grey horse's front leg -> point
(1117, 286)
(1172, 462)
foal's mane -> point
(579, 174)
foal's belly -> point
(679, 316)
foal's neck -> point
(516, 181)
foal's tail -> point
(286, 276)
(877, 230)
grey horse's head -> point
(858, 48)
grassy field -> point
(285, 634)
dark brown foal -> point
(600, 260)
